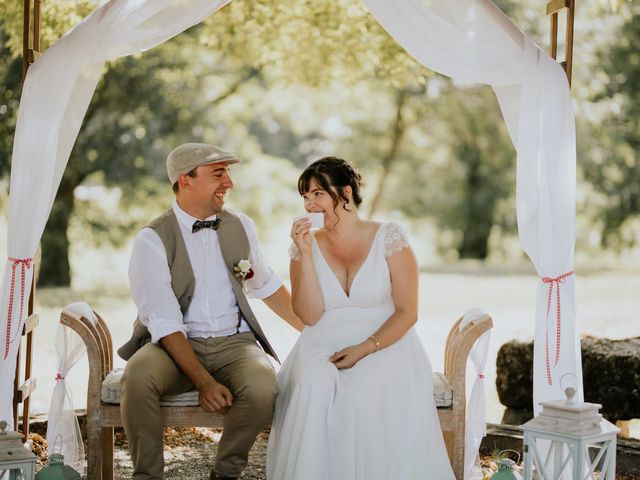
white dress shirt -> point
(213, 310)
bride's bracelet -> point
(375, 341)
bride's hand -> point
(348, 357)
(301, 236)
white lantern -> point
(14, 457)
(557, 443)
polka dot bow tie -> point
(200, 224)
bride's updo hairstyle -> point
(333, 172)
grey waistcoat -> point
(234, 245)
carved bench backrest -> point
(452, 341)
(459, 344)
(106, 344)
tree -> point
(323, 44)
(315, 43)
(459, 169)
(10, 89)
(142, 105)
(59, 18)
(613, 151)
(302, 79)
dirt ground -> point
(190, 453)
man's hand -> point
(348, 357)
(214, 396)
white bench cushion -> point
(111, 392)
(442, 392)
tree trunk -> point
(478, 208)
(475, 240)
(55, 270)
(399, 128)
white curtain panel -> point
(63, 430)
(55, 97)
(472, 40)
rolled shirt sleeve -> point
(150, 281)
(264, 282)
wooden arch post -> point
(24, 388)
(29, 54)
(553, 9)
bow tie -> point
(200, 224)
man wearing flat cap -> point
(190, 271)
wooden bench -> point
(103, 417)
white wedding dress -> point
(375, 421)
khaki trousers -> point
(235, 361)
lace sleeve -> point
(394, 239)
(294, 253)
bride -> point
(356, 391)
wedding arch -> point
(470, 40)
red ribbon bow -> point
(26, 263)
(58, 377)
(554, 281)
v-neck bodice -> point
(371, 286)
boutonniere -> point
(242, 269)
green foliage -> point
(10, 89)
(612, 163)
(315, 42)
(56, 17)
(459, 169)
(143, 106)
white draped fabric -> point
(63, 430)
(468, 40)
(475, 423)
(55, 97)
(472, 40)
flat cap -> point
(188, 156)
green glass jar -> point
(57, 470)
(506, 468)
